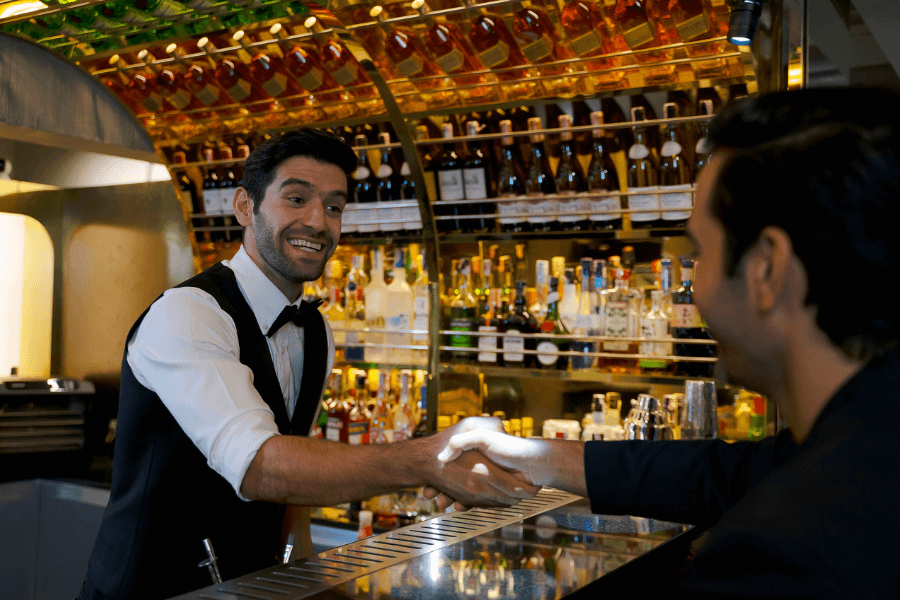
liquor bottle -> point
(642, 176)
(375, 294)
(360, 416)
(510, 184)
(455, 57)
(381, 425)
(701, 150)
(142, 88)
(539, 181)
(490, 322)
(212, 195)
(476, 183)
(674, 175)
(497, 50)
(655, 324)
(404, 421)
(589, 36)
(450, 182)
(602, 178)
(200, 80)
(597, 298)
(171, 85)
(570, 181)
(463, 314)
(621, 319)
(693, 23)
(334, 311)
(342, 66)
(687, 324)
(421, 312)
(304, 64)
(641, 33)
(568, 306)
(542, 46)
(518, 321)
(364, 184)
(117, 81)
(387, 187)
(337, 427)
(229, 182)
(186, 186)
(236, 82)
(585, 323)
(355, 309)
(549, 356)
(409, 56)
(542, 290)
(399, 314)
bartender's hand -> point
(470, 479)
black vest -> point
(165, 499)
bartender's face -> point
(298, 223)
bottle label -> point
(569, 205)
(212, 202)
(209, 95)
(461, 341)
(616, 325)
(411, 66)
(638, 36)
(586, 43)
(452, 61)
(153, 102)
(349, 219)
(226, 197)
(675, 197)
(702, 146)
(180, 99)
(495, 55)
(476, 183)
(333, 429)
(420, 322)
(420, 306)
(389, 212)
(384, 171)
(548, 353)
(168, 8)
(240, 90)
(644, 202)
(358, 432)
(670, 148)
(638, 152)
(276, 85)
(513, 346)
(538, 208)
(397, 322)
(486, 343)
(654, 328)
(450, 185)
(538, 49)
(361, 173)
(686, 316)
(605, 203)
(693, 27)
(509, 208)
(346, 74)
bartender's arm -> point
(186, 350)
(682, 481)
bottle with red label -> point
(453, 54)
(687, 324)
(497, 49)
(589, 36)
(541, 45)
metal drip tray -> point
(323, 571)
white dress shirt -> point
(186, 351)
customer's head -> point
(816, 171)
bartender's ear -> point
(243, 207)
(767, 267)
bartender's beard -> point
(270, 247)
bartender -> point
(795, 228)
(221, 380)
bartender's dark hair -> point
(822, 165)
(323, 146)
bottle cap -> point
(447, 131)
(597, 119)
(565, 121)
(384, 138)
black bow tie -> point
(295, 314)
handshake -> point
(477, 464)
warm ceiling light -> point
(13, 9)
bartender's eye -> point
(296, 199)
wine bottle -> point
(476, 181)
(510, 183)
(549, 356)
(518, 321)
(363, 193)
(387, 189)
(570, 181)
(603, 180)
(674, 177)
(450, 183)
(539, 181)
(687, 324)
(462, 314)
(642, 176)
(701, 150)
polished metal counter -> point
(544, 548)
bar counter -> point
(545, 548)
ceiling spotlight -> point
(743, 21)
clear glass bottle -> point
(655, 324)
(404, 421)
(376, 308)
(360, 416)
(421, 312)
(399, 314)
(381, 425)
(585, 323)
(621, 319)
(463, 314)
(542, 288)
(334, 309)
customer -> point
(795, 231)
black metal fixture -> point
(743, 21)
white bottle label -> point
(644, 201)
(212, 202)
(638, 151)
(450, 185)
(675, 197)
(605, 203)
(513, 346)
(670, 148)
(616, 325)
(548, 356)
(485, 343)
(703, 146)
(333, 429)
(349, 219)
(509, 208)
(226, 197)
(655, 328)
(476, 185)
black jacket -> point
(165, 499)
(815, 520)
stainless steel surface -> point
(699, 417)
(306, 577)
(211, 563)
(648, 419)
(42, 415)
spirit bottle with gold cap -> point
(694, 22)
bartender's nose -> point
(314, 215)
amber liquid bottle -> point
(589, 36)
(234, 78)
(497, 49)
(641, 33)
(199, 78)
(694, 23)
(643, 177)
(541, 44)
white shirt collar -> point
(265, 299)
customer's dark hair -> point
(325, 147)
(822, 165)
